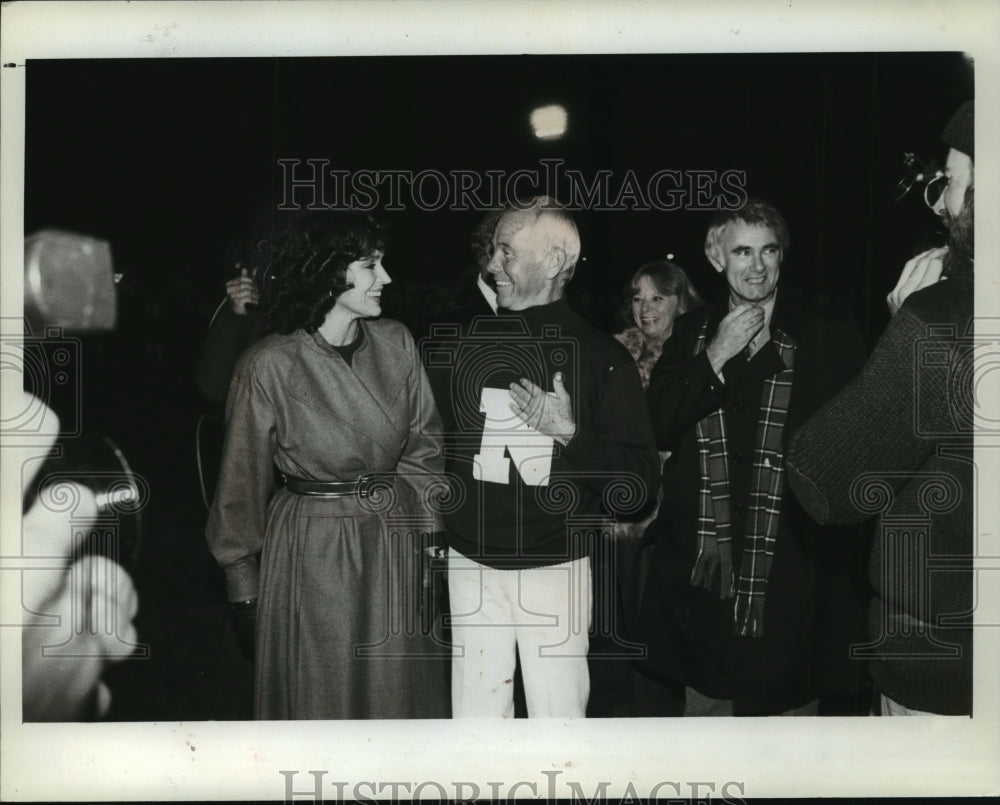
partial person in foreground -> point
(898, 443)
(337, 402)
(737, 608)
(77, 600)
(78, 619)
(544, 415)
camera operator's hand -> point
(547, 412)
(65, 644)
(919, 272)
(242, 291)
(740, 325)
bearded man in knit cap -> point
(897, 443)
(734, 612)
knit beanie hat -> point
(960, 131)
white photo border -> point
(753, 757)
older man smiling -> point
(733, 608)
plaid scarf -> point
(715, 549)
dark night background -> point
(175, 163)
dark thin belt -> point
(330, 489)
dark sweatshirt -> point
(610, 465)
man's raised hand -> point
(740, 325)
(919, 272)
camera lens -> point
(98, 464)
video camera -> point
(69, 287)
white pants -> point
(543, 614)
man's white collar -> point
(488, 293)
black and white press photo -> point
(564, 402)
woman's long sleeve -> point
(238, 516)
(422, 461)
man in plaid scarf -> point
(737, 609)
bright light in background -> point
(549, 122)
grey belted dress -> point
(342, 625)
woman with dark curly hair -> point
(336, 404)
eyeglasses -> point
(934, 188)
(918, 171)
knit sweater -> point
(897, 444)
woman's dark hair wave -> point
(309, 267)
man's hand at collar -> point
(741, 324)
